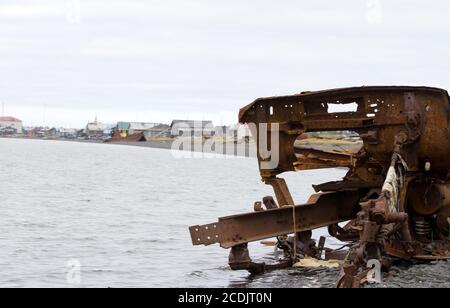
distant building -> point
(95, 130)
(7, 131)
(41, 132)
(11, 123)
(189, 128)
(241, 132)
(148, 130)
(130, 128)
(221, 131)
(160, 130)
(81, 133)
(46, 132)
(139, 127)
(67, 133)
(29, 131)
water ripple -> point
(123, 213)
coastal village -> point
(163, 135)
(123, 131)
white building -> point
(11, 122)
(95, 130)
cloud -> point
(207, 56)
(30, 10)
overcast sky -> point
(64, 62)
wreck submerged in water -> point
(395, 198)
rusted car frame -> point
(396, 194)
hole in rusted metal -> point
(339, 108)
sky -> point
(65, 62)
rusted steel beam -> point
(344, 185)
(321, 210)
(346, 123)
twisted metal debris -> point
(394, 201)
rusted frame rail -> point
(321, 210)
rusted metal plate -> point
(205, 235)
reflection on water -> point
(123, 213)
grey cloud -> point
(205, 57)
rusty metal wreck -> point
(394, 200)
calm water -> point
(123, 213)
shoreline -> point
(220, 149)
(226, 149)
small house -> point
(67, 133)
(95, 130)
(126, 129)
(160, 130)
(12, 123)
